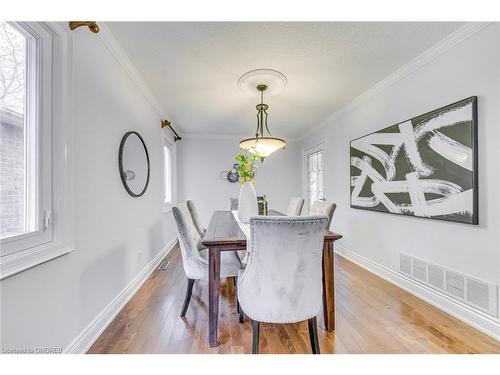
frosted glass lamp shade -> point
(262, 146)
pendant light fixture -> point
(263, 144)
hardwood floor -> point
(372, 316)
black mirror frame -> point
(120, 163)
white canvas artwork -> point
(425, 167)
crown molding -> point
(234, 137)
(117, 51)
(212, 136)
(424, 58)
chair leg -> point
(240, 313)
(240, 310)
(255, 337)
(189, 291)
(313, 335)
(238, 307)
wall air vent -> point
(476, 293)
(455, 284)
(436, 277)
(419, 270)
(405, 264)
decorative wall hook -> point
(92, 25)
(166, 123)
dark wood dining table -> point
(224, 234)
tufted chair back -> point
(196, 219)
(282, 279)
(194, 265)
(295, 206)
(323, 208)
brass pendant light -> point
(262, 145)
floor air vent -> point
(476, 293)
(163, 265)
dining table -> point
(226, 232)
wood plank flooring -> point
(372, 316)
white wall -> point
(201, 162)
(116, 235)
(470, 68)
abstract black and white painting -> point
(425, 167)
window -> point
(15, 214)
(314, 174)
(169, 174)
(28, 152)
(167, 162)
(25, 136)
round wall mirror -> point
(133, 162)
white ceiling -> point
(193, 67)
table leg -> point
(213, 294)
(328, 286)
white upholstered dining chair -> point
(194, 216)
(195, 256)
(295, 206)
(323, 208)
(282, 279)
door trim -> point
(306, 151)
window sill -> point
(22, 260)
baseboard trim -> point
(476, 319)
(91, 333)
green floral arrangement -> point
(246, 165)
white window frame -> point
(305, 176)
(53, 156)
(170, 145)
(38, 119)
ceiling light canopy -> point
(263, 144)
